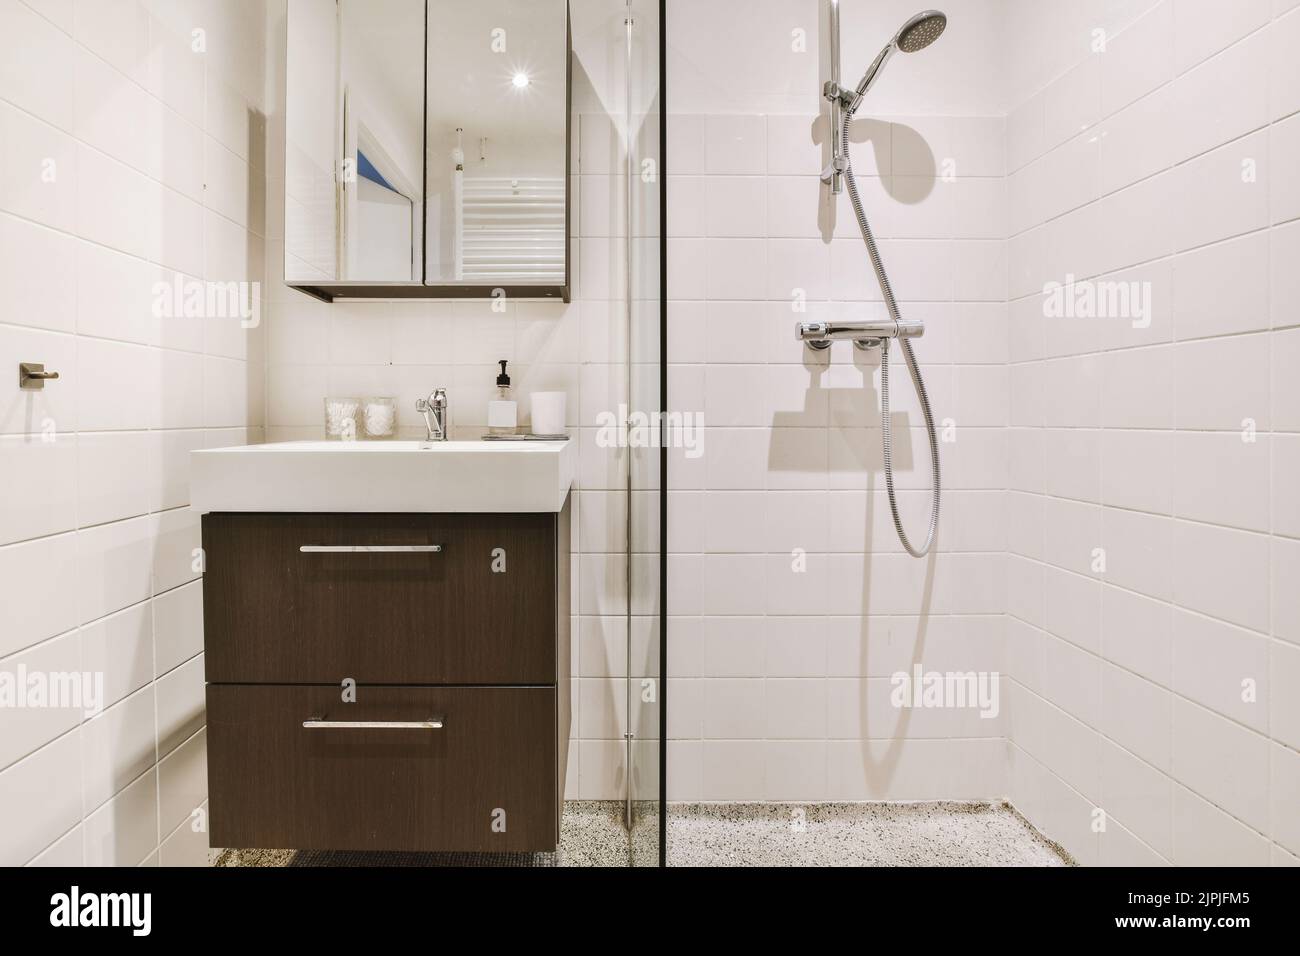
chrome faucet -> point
(435, 405)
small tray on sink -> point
(525, 437)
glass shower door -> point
(615, 163)
(644, 322)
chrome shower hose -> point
(886, 434)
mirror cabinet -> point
(427, 148)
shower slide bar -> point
(866, 335)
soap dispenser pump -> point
(503, 414)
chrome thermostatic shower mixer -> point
(865, 335)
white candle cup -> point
(548, 413)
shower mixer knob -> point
(816, 335)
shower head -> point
(920, 31)
(916, 34)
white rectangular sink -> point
(384, 476)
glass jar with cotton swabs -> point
(360, 419)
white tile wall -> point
(1195, 500)
(116, 170)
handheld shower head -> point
(916, 34)
(920, 31)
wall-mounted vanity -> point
(387, 636)
(427, 148)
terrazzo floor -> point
(746, 834)
(591, 834)
(855, 834)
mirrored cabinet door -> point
(497, 120)
(354, 209)
(427, 146)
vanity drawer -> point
(277, 784)
(275, 613)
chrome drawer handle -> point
(433, 723)
(364, 548)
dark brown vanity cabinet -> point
(387, 681)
